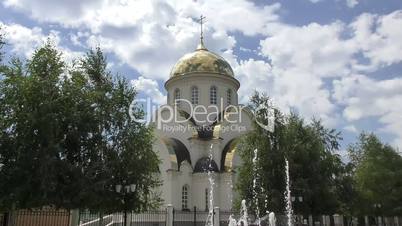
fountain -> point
(211, 180)
(243, 220)
(288, 198)
(271, 219)
(255, 194)
(232, 221)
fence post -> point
(169, 218)
(328, 217)
(216, 216)
(337, 220)
(100, 218)
(74, 217)
(195, 216)
(12, 217)
(6, 218)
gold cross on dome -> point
(201, 20)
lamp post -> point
(377, 207)
(300, 200)
(128, 188)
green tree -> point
(66, 136)
(127, 155)
(377, 172)
(309, 148)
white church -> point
(206, 121)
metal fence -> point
(148, 218)
(190, 218)
(88, 218)
(3, 219)
(52, 217)
(40, 217)
(224, 217)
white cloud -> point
(123, 13)
(289, 89)
(151, 36)
(65, 12)
(253, 75)
(378, 38)
(364, 97)
(349, 3)
(306, 58)
(150, 88)
(352, 3)
(24, 41)
(351, 128)
(314, 48)
(254, 20)
(302, 58)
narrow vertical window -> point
(176, 95)
(206, 199)
(229, 97)
(184, 197)
(194, 95)
(212, 95)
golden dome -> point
(201, 61)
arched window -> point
(212, 95)
(184, 197)
(176, 95)
(229, 96)
(194, 95)
(206, 199)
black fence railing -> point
(148, 218)
(190, 218)
(88, 218)
(52, 217)
(224, 217)
(3, 219)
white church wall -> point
(176, 186)
(165, 165)
(200, 185)
(184, 178)
(204, 82)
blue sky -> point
(338, 60)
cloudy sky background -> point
(338, 60)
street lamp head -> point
(300, 198)
(293, 198)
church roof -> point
(201, 61)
